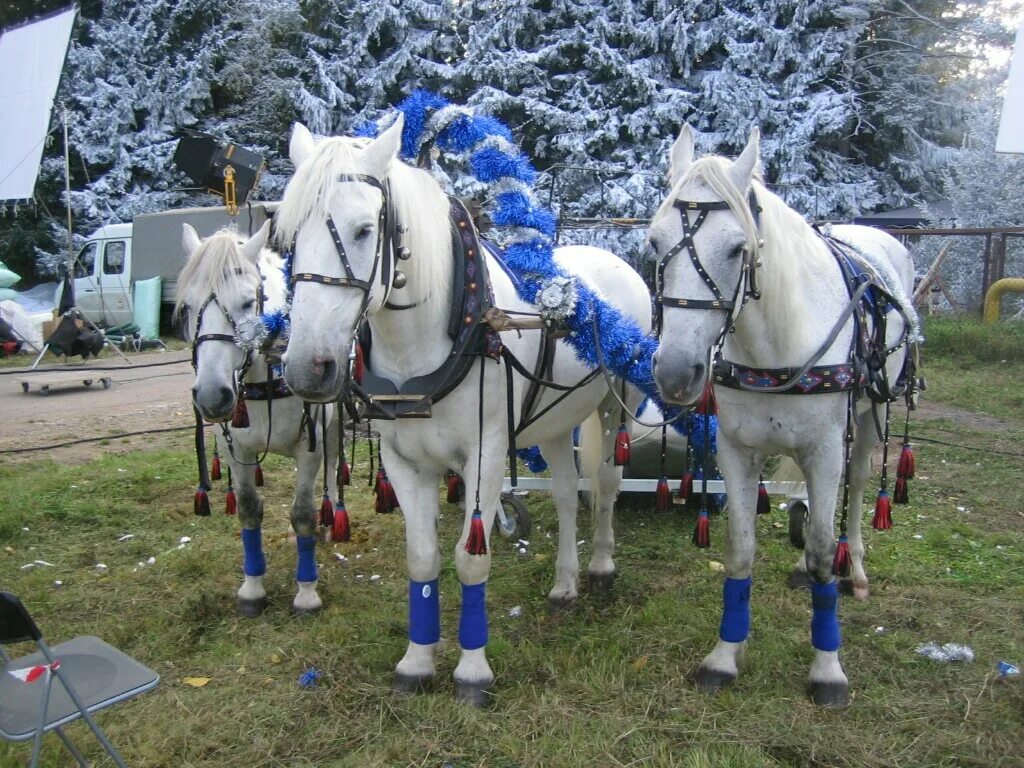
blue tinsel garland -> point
(494, 159)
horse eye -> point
(364, 232)
(738, 252)
(248, 305)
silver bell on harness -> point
(399, 280)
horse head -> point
(336, 216)
(220, 295)
(705, 238)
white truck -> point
(118, 255)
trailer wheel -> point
(517, 518)
(797, 509)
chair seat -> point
(100, 674)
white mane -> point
(218, 266)
(416, 199)
(791, 247)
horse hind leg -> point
(860, 471)
(564, 489)
(604, 484)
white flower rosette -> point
(557, 298)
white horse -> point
(353, 183)
(225, 285)
(732, 253)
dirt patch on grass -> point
(980, 422)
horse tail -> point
(591, 456)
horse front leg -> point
(473, 675)
(304, 522)
(741, 467)
(823, 467)
(416, 488)
(252, 596)
(565, 489)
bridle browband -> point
(746, 287)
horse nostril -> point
(698, 372)
(226, 395)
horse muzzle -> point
(680, 382)
(215, 404)
(318, 381)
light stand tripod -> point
(74, 309)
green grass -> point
(602, 685)
(965, 337)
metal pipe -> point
(995, 293)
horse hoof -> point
(558, 605)
(600, 583)
(474, 695)
(799, 579)
(303, 612)
(409, 684)
(251, 608)
(831, 695)
(712, 680)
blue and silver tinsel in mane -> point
(495, 160)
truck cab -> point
(103, 276)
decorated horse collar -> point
(471, 298)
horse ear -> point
(252, 247)
(681, 157)
(301, 145)
(742, 170)
(385, 148)
(189, 239)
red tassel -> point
(340, 530)
(622, 448)
(702, 533)
(359, 365)
(215, 467)
(685, 486)
(454, 483)
(841, 562)
(708, 404)
(378, 480)
(900, 493)
(882, 520)
(326, 512)
(905, 468)
(240, 416)
(764, 504)
(230, 502)
(344, 473)
(476, 544)
(663, 496)
(201, 503)
(386, 499)
(259, 476)
(392, 496)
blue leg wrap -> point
(473, 621)
(305, 570)
(424, 612)
(825, 617)
(735, 610)
(254, 563)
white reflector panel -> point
(1011, 124)
(31, 60)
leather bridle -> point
(746, 286)
(384, 254)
